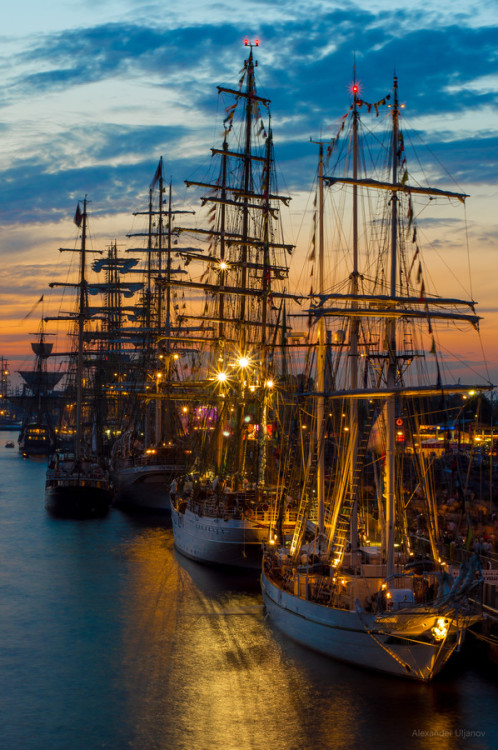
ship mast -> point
(82, 314)
(246, 186)
(353, 410)
(242, 269)
(264, 379)
(221, 304)
(157, 302)
(392, 360)
(320, 404)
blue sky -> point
(94, 92)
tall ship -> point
(353, 584)
(78, 483)
(151, 448)
(40, 402)
(225, 505)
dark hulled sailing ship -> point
(39, 401)
(78, 483)
(151, 449)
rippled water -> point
(110, 639)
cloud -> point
(306, 67)
(82, 56)
(306, 63)
(117, 164)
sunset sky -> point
(94, 91)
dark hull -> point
(138, 501)
(145, 488)
(77, 501)
(143, 496)
(44, 449)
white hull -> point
(218, 541)
(360, 639)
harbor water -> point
(111, 639)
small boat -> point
(10, 444)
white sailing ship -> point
(375, 605)
(223, 509)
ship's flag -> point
(159, 173)
(78, 216)
(33, 308)
(230, 113)
(417, 252)
(410, 212)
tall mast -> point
(250, 92)
(148, 292)
(82, 311)
(355, 190)
(264, 302)
(221, 302)
(160, 248)
(247, 174)
(167, 323)
(391, 342)
(158, 401)
(320, 407)
(353, 410)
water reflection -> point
(112, 639)
(211, 674)
(206, 670)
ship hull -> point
(234, 542)
(77, 501)
(358, 638)
(144, 488)
(45, 449)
